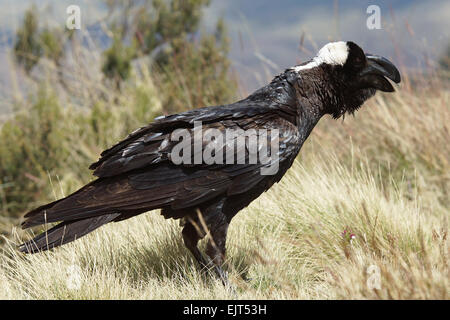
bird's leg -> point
(215, 249)
(209, 219)
(191, 238)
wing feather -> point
(137, 175)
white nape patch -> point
(333, 53)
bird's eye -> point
(358, 62)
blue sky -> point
(266, 34)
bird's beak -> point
(373, 75)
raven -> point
(143, 173)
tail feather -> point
(39, 216)
(65, 232)
(99, 202)
(100, 197)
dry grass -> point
(383, 175)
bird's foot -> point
(223, 276)
(219, 273)
(245, 278)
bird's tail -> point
(97, 203)
(65, 232)
(79, 213)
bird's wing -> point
(197, 183)
(151, 144)
(137, 175)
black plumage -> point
(138, 175)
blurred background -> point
(263, 37)
(66, 95)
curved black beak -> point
(377, 68)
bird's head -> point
(349, 76)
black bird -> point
(139, 173)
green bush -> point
(27, 48)
(31, 147)
(46, 149)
